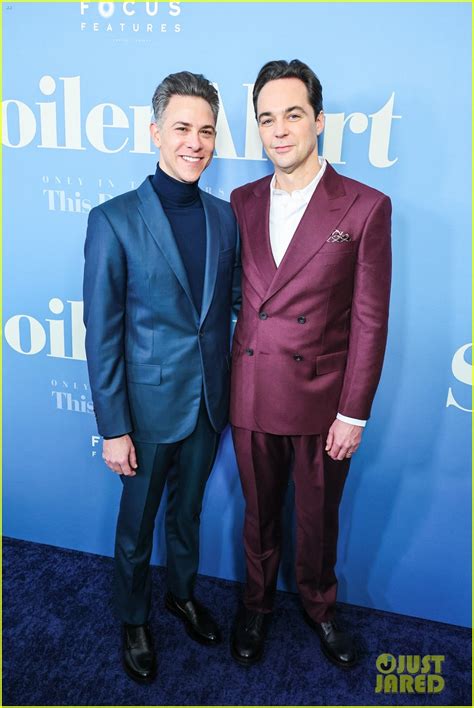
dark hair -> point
(295, 69)
(184, 83)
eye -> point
(208, 133)
(266, 121)
(294, 116)
(181, 128)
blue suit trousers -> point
(185, 465)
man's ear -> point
(155, 134)
(320, 123)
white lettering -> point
(127, 10)
(96, 125)
(13, 335)
(151, 8)
(462, 371)
(253, 144)
(48, 118)
(72, 114)
(78, 330)
(380, 135)
(59, 201)
(36, 333)
(142, 117)
(334, 133)
(224, 143)
(106, 9)
(26, 124)
(72, 404)
(174, 9)
(111, 116)
(56, 330)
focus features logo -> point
(409, 673)
(129, 17)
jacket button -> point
(249, 352)
(302, 319)
(297, 357)
(263, 315)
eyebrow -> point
(287, 110)
(189, 125)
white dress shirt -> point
(286, 211)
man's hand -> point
(119, 454)
(343, 439)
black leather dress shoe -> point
(248, 637)
(197, 621)
(337, 645)
(138, 654)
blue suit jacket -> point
(149, 353)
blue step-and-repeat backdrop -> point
(77, 90)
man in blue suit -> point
(162, 271)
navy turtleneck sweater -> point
(183, 207)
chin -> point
(189, 176)
(192, 175)
(285, 165)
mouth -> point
(280, 149)
(190, 159)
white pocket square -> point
(339, 237)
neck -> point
(300, 177)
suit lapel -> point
(159, 227)
(212, 252)
(257, 221)
(325, 210)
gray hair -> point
(184, 83)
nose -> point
(280, 128)
(194, 141)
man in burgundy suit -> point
(307, 351)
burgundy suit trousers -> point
(265, 461)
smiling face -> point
(186, 137)
(288, 128)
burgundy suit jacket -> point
(310, 337)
